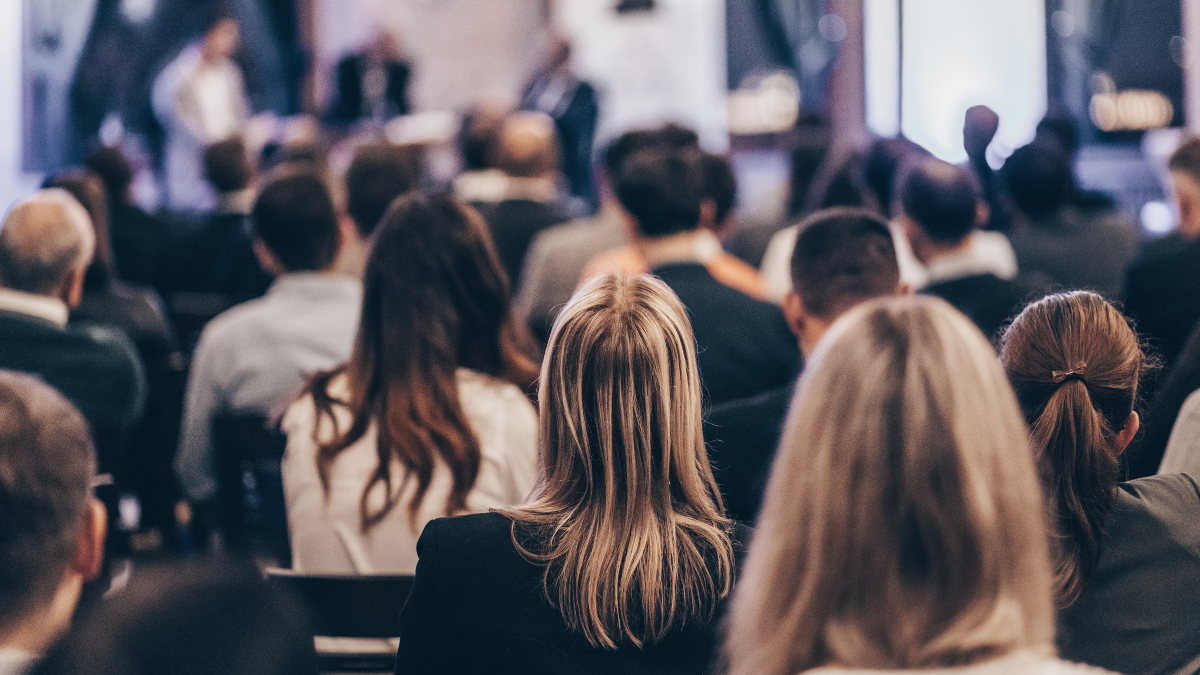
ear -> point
(347, 231)
(983, 213)
(72, 293)
(89, 550)
(793, 311)
(708, 215)
(905, 290)
(1125, 435)
(267, 260)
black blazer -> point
(513, 224)
(744, 345)
(1162, 294)
(986, 299)
(742, 437)
(477, 606)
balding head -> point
(46, 243)
(527, 146)
(940, 198)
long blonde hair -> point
(626, 516)
(903, 523)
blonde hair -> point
(902, 526)
(626, 516)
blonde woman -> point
(902, 528)
(621, 559)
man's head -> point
(1185, 179)
(46, 244)
(629, 143)
(720, 188)
(296, 225)
(1039, 179)
(227, 166)
(220, 40)
(940, 205)
(843, 257)
(662, 190)
(527, 146)
(52, 529)
(980, 125)
(379, 173)
(115, 169)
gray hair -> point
(44, 239)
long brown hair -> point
(902, 526)
(625, 516)
(1074, 362)
(435, 299)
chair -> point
(250, 505)
(348, 606)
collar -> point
(985, 253)
(41, 307)
(699, 246)
(532, 189)
(305, 282)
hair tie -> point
(1076, 373)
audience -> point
(843, 257)
(980, 124)
(378, 174)
(744, 344)
(427, 418)
(250, 359)
(139, 239)
(940, 205)
(52, 529)
(1128, 554)
(902, 528)
(621, 558)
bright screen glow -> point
(881, 37)
(960, 53)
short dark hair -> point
(379, 173)
(669, 135)
(843, 256)
(1039, 179)
(883, 163)
(662, 189)
(941, 198)
(226, 165)
(114, 168)
(720, 183)
(1186, 159)
(46, 467)
(294, 216)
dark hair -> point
(435, 299)
(1075, 363)
(46, 466)
(1039, 179)
(1186, 158)
(226, 165)
(115, 169)
(379, 173)
(1059, 128)
(662, 189)
(294, 216)
(669, 136)
(481, 127)
(883, 162)
(942, 198)
(190, 619)
(843, 256)
(87, 188)
(720, 183)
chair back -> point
(349, 606)
(250, 505)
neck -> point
(927, 250)
(41, 627)
(698, 245)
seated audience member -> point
(557, 256)
(139, 240)
(480, 182)
(197, 619)
(1162, 287)
(744, 344)
(1052, 237)
(378, 174)
(527, 154)
(251, 358)
(46, 245)
(371, 84)
(52, 529)
(902, 528)
(843, 257)
(621, 559)
(1129, 557)
(939, 208)
(719, 188)
(1169, 442)
(428, 418)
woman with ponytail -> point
(1127, 555)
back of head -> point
(114, 169)
(883, 162)
(843, 257)
(527, 146)
(481, 127)
(1186, 159)
(295, 217)
(1058, 127)
(662, 189)
(902, 526)
(45, 239)
(942, 199)
(629, 143)
(980, 125)
(720, 184)
(1075, 363)
(227, 166)
(628, 517)
(1039, 179)
(46, 468)
(198, 619)
(379, 173)
(87, 189)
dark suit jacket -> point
(477, 606)
(744, 345)
(986, 299)
(742, 437)
(349, 98)
(139, 243)
(1182, 379)
(1162, 294)
(514, 223)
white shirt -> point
(1017, 663)
(1183, 448)
(257, 355)
(38, 306)
(326, 531)
(16, 661)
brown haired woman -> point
(1127, 570)
(427, 418)
(621, 559)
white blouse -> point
(1016, 663)
(326, 531)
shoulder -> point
(1163, 493)
(108, 346)
(229, 324)
(476, 539)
